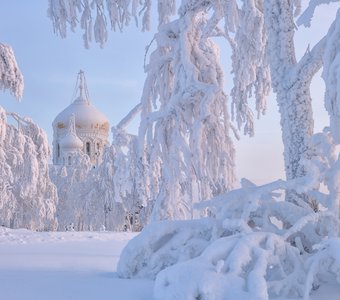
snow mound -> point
(162, 244)
(251, 266)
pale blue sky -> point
(115, 78)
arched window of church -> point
(69, 160)
(58, 150)
(88, 148)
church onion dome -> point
(71, 141)
(86, 115)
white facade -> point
(89, 131)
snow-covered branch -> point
(10, 75)
(250, 65)
(130, 116)
(325, 259)
(309, 64)
(307, 16)
(331, 76)
(19, 119)
(96, 17)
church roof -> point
(86, 115)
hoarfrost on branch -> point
(10, 75)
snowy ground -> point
(65, 266)
(75, 265)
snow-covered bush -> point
(163, 244)
(246, 266)
(258, 244)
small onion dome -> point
(71, 141)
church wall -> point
(94, 138)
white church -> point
(79, 127)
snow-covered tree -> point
(28, 197)
(184, 120)
(128, 178)
(110, 197)
(264, 40)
